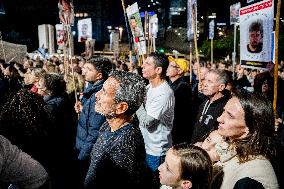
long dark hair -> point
(260, 121)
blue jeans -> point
(154, 162)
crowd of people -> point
(106, 123)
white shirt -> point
(156, 129)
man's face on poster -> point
(84, 29)
(255, 38)
(133, 23)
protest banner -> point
(256, 26)
(136, 28)
(191, 18)
(84, 29)
(234, 13)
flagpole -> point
(126, 25)
(190, 62)
(193, 18)
(276, 56)
(211, 51)
(234, 53)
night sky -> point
(23, 16)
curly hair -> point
(132, 90)
(260, 121)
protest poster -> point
(256, 26)
(136, 28)
(66, 12)
(84, 29)
(191, 13)
(154, 26)
(211, 29)
(60, 35)
(234, 13)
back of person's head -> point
(195, 165)
(132, 90)
(260, 122)
(55, 84)
(71, 86)
(22, 116)
(102, 65)
(13, 72)
(38, 72)
(124, 67)
(51, 68)
(160, 60)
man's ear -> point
(222, 87)
(159, 70)
(99, 76)
(186, 184)
(121, 108)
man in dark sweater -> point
(212, 107)
(119, 152)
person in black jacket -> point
(217, 96)
(182, 127)
(90, 121)
(62, 130)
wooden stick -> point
(71, 61)
(190, 62)
(193, 19)
(276, 56)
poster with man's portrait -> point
(60, 35)
(136, 28)
(234, 13)
(84, 30)
(256, 26)
(66, 12)
(191, 15)
(154, 26)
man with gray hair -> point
(217, 96)
(119, 151)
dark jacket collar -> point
(95, 88)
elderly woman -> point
(119, 153)
(248, 124)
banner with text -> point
(256, 26)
